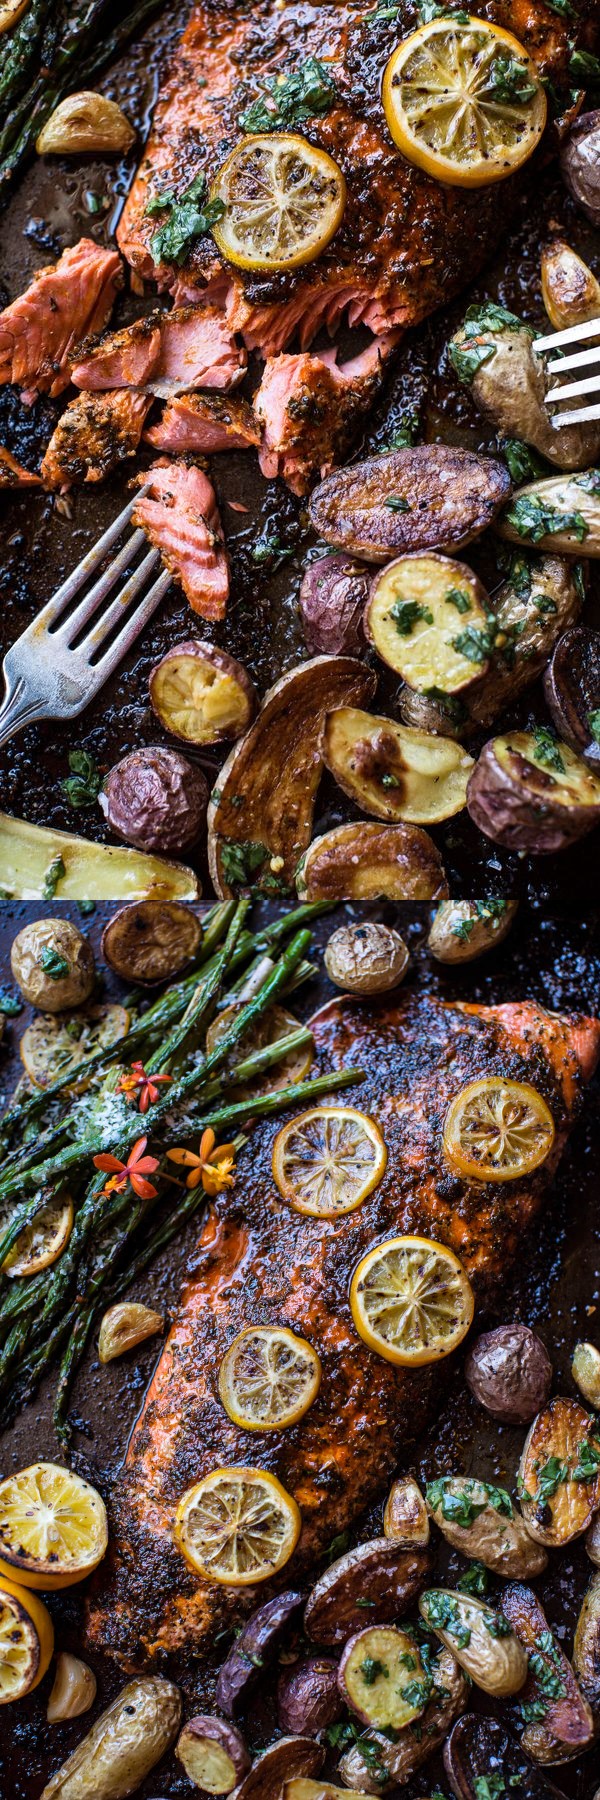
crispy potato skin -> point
(510, 390)
(559, 1431)
(122, 1745)
(253, 1649)
(308, 1696)
(367, 862)
(511, 801)
(332, 601)
(580, 164)
(572, 690)
(451, 496)
(388, 1574)
(37, 985)
(156, 800)
(477, 1745)
(500, 1543)
(567, 1726)
(151, 940)
(406, 1515)
(586, 1648)
(448, 941)
(510, 1373)
(288, 1758)
(534, 630)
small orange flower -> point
(214, 1167)
(138, 1082)
(133, 1171)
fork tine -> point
(583, 360)
(88, 564)
(73, 623)
(134, 625)
(576, 334)
(589, 385)
(583, 415)
(99, 631)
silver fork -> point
(50, 675)
(582, 359)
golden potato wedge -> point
(361, 861)
(405, 1517)
(570, 292)
(558, 1721)
(509, 387)
(429, 497)
(559, 1473)
(392, 771)
(430, 619)
(201, 694)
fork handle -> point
(17, 710)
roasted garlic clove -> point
(585, 1369)
(123, 1326)
(85, 122)
(74, 1689)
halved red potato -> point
(213, 1754)
(430, 619)
(529, 791)
(559, 1722)
(362, 861)
(201, 694)
(572, 691)
(393, 771)
(559, 1473)
(427, 497)
(382, 1679)
(380, 1576)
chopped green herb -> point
(522, 463)
(269, 548)
(83, 785)
(371, 1669)
(430, 9)
(86, 908)
(338, 1546)
(364, 1603)
(475, 1580)
(487, 315)
(466, 359)
(454, 708)
(474, 643)
(535, 518)
(549, 1479)
(407, 1661)
(457, 597)
(53, 964)
(416, 1693)
(405, 433)
(544, 604)
(395, 503)
(444, 1614)
(497, 1625)
(188, 219)
(588, 1462)
(584, 68)
(546, 749)
(578, 574)
(517, 571)
(489, 1787)
(239, 861)
(593, 720)
(563, 8)
(10, 1005)
(509, 80)
(390, 781)
(54, 874)
(287, 100)
(407, 613)
(590, 482)
(343, 1735)
(457, 1507)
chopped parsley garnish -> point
(10, 1005)
(544, 604)
(83, 785)
(584, 68)
(487, 315)
(404, 434)
(455, 709)
(518, 572)
(489, 1787)
(444, 1614)
(371, 1669)
(588, 1462)
(240, 861)
(416, 1693)
(545, 1665)
(407, 613)
(590, 482)
(270, 548)
(52, 963)
(475, 1580)
(390, 781)
(509, 80)
(535, 518)
(457, 597)
(549, 1478)
(407, 1661)
(497, 1625)
(523, 465)
(457, 1507)
(593, 720)
(466, 359)
(546, 750)
(489, 912)
(337, 1546)
(343, 1736)
(474, 643)
(307, 93)
(188, 219)
(54, 874)
(579, 580)
(563, 8)
(395, 503)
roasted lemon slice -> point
(275, 1023)
(497, 1130)
(283, 200)
(42, 1241)
(237, 1526)
(464, 101)
(53, 1528)
(411, 1300)
(26, 1641)
(53, 1043)
(328, 1160)
(268, 1378)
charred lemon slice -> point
(497, 1130)
(328, 1160)
(237, 1526)
(283, 200)
(54, 1043)
(464, 101)
(268, 1378)
(411, 1300)
(275, 1023)
(26, 1641)
(53, 1528)
(42, 1241)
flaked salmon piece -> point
(308, 408)
(260, 1262)
(204, 422)
(190, 347)
(180, 516)
(12, 473)
(64, 304)
(94, 434)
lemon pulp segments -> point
(26, 1641)
(411, 1300)
(283, 199)
(42, 1241)
(268, 1378)
(497, 1130)
(52, 1043)
(237, 1526)
(53, 1527)
(464, 101)
(328, 1160)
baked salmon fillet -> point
(259, 1262)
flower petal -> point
(207, 1143)
(109, 1165)
(144, 1188)
(186, 1157)
(138, 1150)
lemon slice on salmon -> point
(283, 201)
(53, 1527)
(26, 1641)
(411, 1300)
(328, 1160)
(465, 101)
(237, 1526)
(268, 1378)
(43, 1241)
(497, 1130)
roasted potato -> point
(560, 513)
(539, 599)
(481, 1640)
(461, 930)
(405, 1518)
(570, 292)
(393, 772)
(31, 854)
(213, 1754)
(316, 1790)
(401, 1759)
(283, 1762)
(332, 602)
(443, 714)
(155, 799)
(11, 11)
(559, 1473)
(428, 618)
(260, 812)
(480, 1521)
(151, 940)
(479, 1750)
(256, 1646)
(592, 1541)
(53, 964)
(558, 1721)
(382, 1574)
(509, 387)
(510, 1373)
(368, 958)
(529, 791)
(572, 691)
(585, 1369)
(201, 694)
(308, 1696)
(362, 861)
(85, 123)
(586, 1647)
(382, 1679)
(123, 1745)
(580, 164)
(431, 497)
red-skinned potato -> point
(586, 1647)
(363, 861)
(201, 694)
(332, 601)
(510, 1373)
(580, 164)
(559, 1726)
(213, 1754)
(387, 1575)
(256, 1646)
(572, 691)
(429, 497)
(284, 1761)
(529, 791)
(559, 1473)
(156, 800)
(308, 1696)
(478, 1748)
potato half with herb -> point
(509, 383)
(393, 772)
(529, 791)
(462, 930)
(84, 123)
(382, 1678)
(559, 1473)
(559, 513)
(481, 1640)
(428, 497)
(53, 964)
(570, 292)
(363, 861)
(480, 1520)
(586, 1647)
(123, 1745)
(539, 599)
(366, 958)
(201, 694)
(558, 1721)
(428, 618)
(479, 1750)
(378, 1764)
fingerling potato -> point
(123, 1745)
(539, 599)
(560, 513)
(572, 691)
(479, 1747)
(529, 791)
(405, 1516)
(480, 1521)
(462, 930)
(559, 1473)
(430, 619)
(428, 497)
(361, 861)
(570, 292)
(481, 1640)
(380, 1574)
(510, 389)
(558, 1721)
(586, 1647)
(392, 772)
